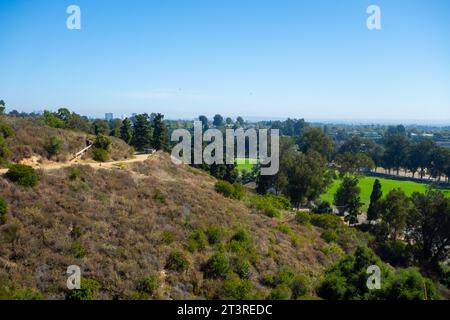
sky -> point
(255, 58)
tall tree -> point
(126, 130)
(218, 120)
(142, 136)
(394, 213)
(204, 121)
(160, 134)
(314, 139)
(347, 198)
(2, 107)
(375, 201)
(428, 226)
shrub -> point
(75, 174)
(4, 150)
(53, 146)
(102, 142)
(225, 188)
(214, 235)
(78, 251)
(149, 285)
(241, 267)
(100, 155)
(303, 218)
(299, 287)
(329, 235)
(272, 212)
(217, 266)
(3, 211)
(236, 289)
(6, 131)
(324, 207)
(280, 292)
(326, 221)
(197, 240)
(408, 284)
(88, 290)
(239, 191)
(270, 205)
(177, 261)
(23, 175)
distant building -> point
(109, 116)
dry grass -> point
(117, 219)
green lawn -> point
(366, 185)
(245, 164)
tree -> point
(375, 201)
(229, 121)
(239, 122)
(204, 121)
(142, 132)
(428, 226)
(218, 120)
(160, 134)
(2, 107)
(126, 130)
(353, 163)
(100, 127)
(394, 213)
(347, 198)
(102, 142)
(396, 153)
(314, 139)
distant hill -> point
(31, 135)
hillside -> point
(31, 135)
(121, 225)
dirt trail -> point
(98, 165)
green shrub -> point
(77, 250)
(272, 212)
(217, 266)
(214, 235)
(4, 150)
(225, 188)
(75, 174)
(3, 211)
(102, 142)
(326, 221)
(53, 146)
(299, 287)
(6, 131)
(149, 285)
(303, 218)
(324, 207)
(238, 191)
(23, 175)
(88, 290)
(280, 292)
(177, 261)
(329, 235)
(235, 288)
(408, 284)
(100, 155)
(241, 267)
(197, 240)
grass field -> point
(245, 164)
(366, 185)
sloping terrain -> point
(121, 225)
(31, 135)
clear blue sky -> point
(313, 59)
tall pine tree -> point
(142, 136)
(126, 130)
(160, 133)
(375, 201)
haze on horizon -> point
(262, 59)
